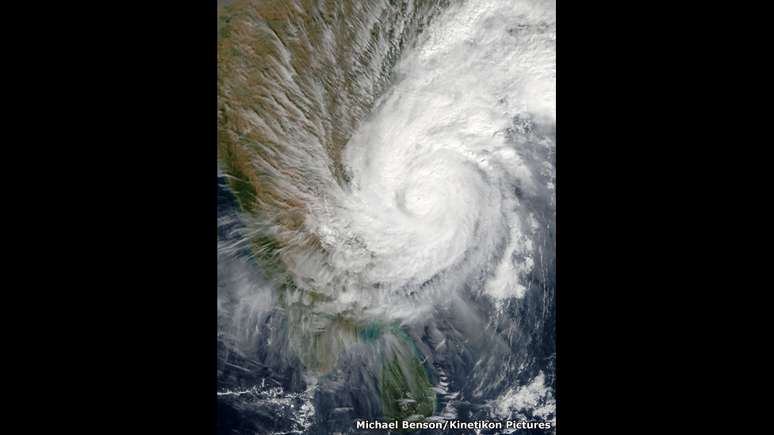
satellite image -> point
(386, 216)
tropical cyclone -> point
(390, 254)
(436, 180)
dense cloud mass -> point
(387, 213)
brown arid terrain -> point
(296, 77)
